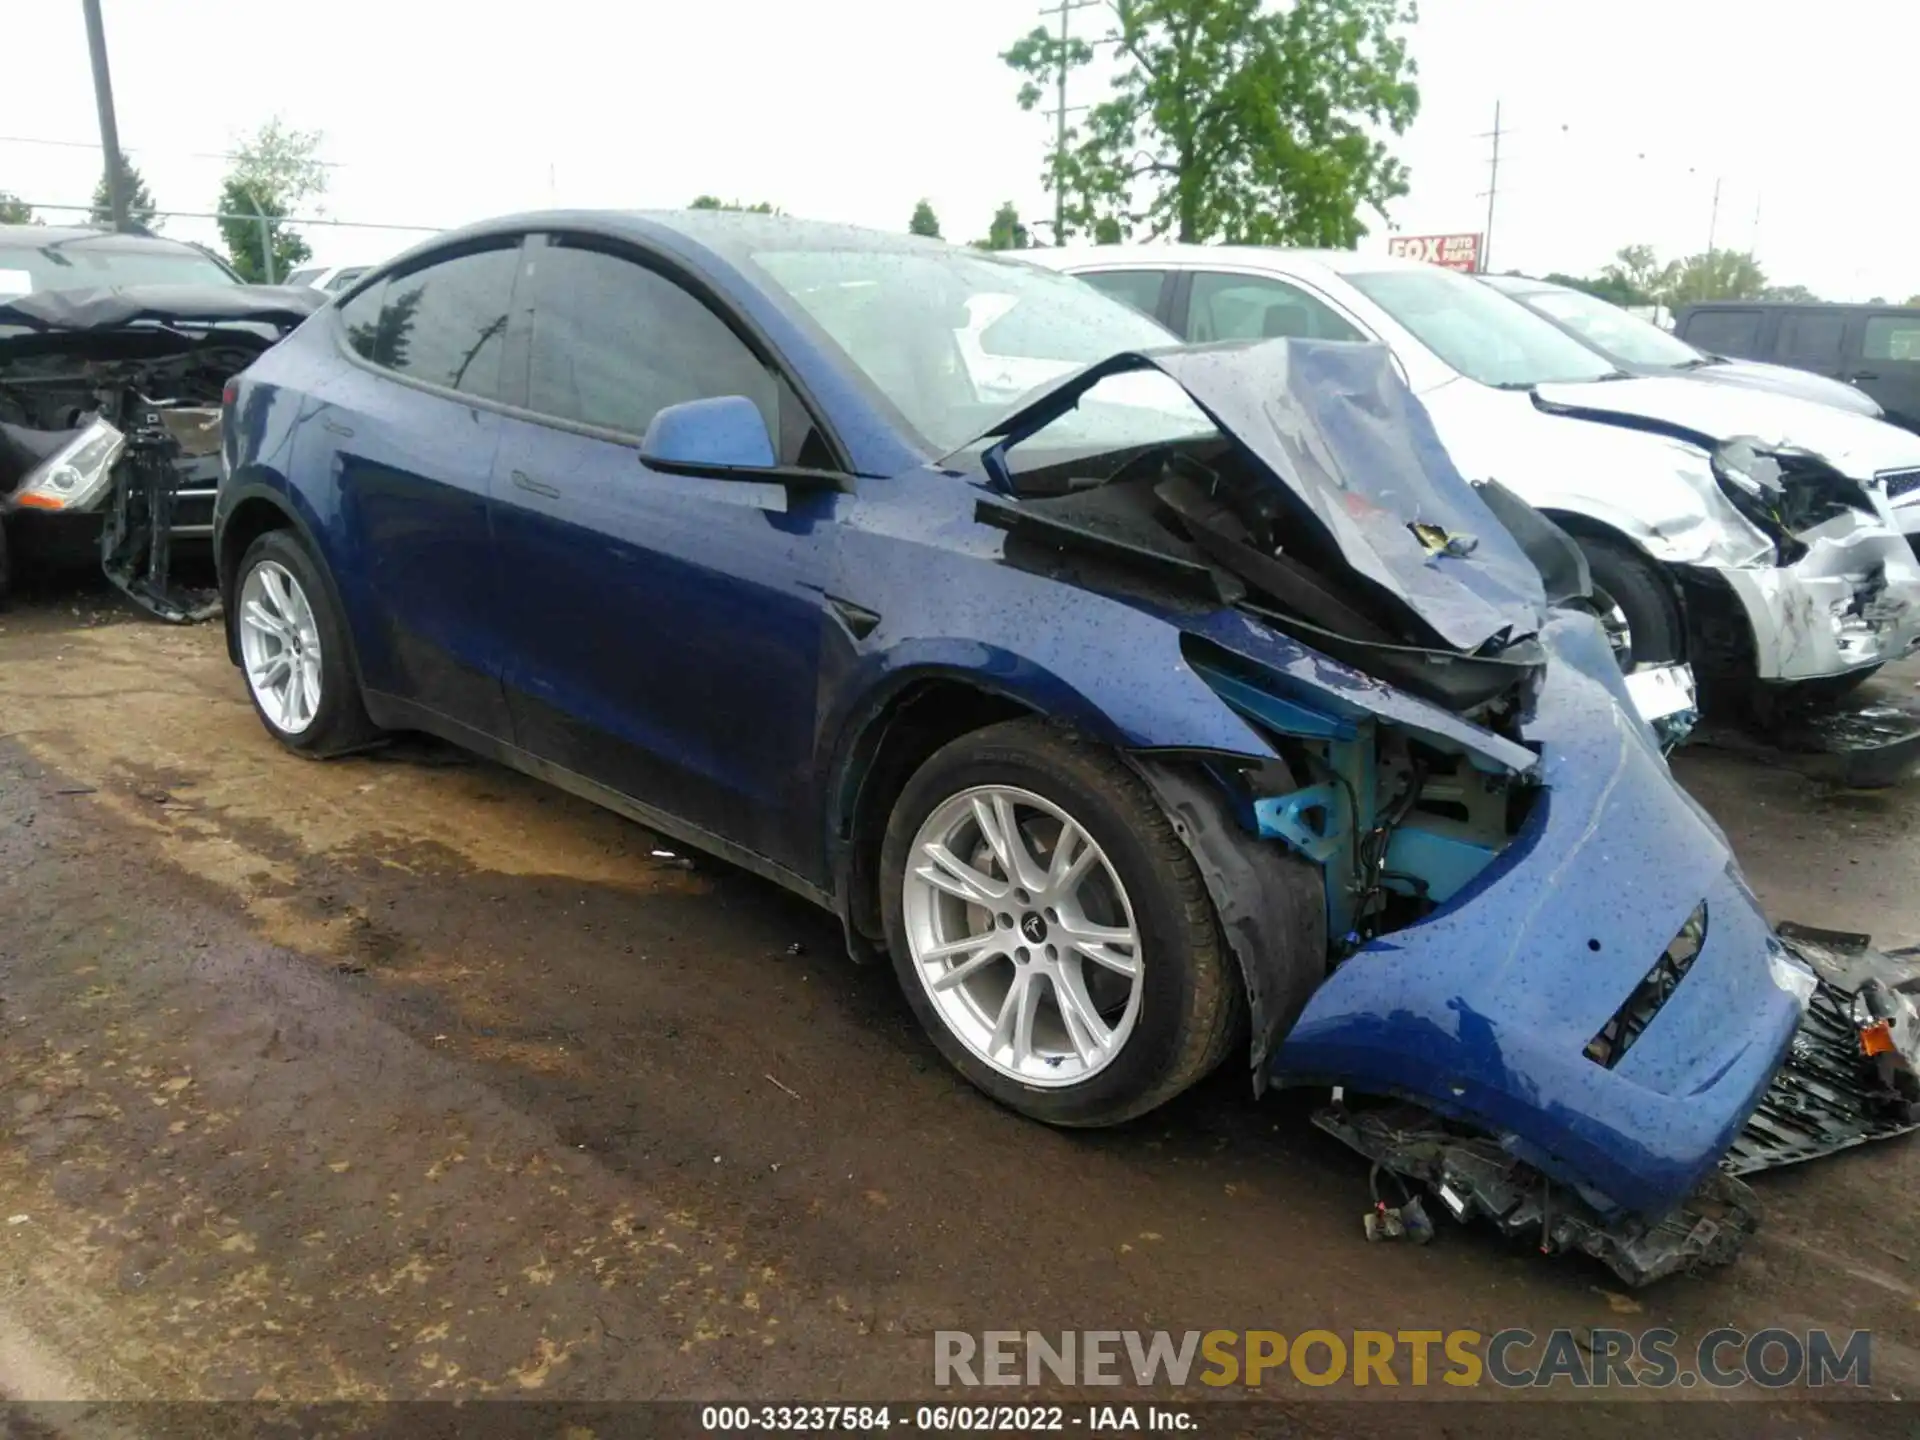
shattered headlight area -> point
(76, 476)
(1786, 493)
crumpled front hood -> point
(1854, 444)
(1334, 427)
(29, 322)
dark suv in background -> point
(1876, 347)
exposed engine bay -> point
(110, 420)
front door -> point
(662, 633)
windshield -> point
(103, 263)
(1483, 335)
(956, 341)
(1612, 331)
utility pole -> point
(1713, 230)
(103, 100)
(1064, 9)
(1493, 192)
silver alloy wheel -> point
(280, 647)
(1023, 935)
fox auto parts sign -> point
(1456, 252)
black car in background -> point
(1876, 347)
(1641, 347)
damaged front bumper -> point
(1851, 1075)
(1852, 600)
(1583, 1036)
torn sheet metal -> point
(103, 312)
(110, 418)
(1851, 600)
(1334, 427)
(1270, 904)
(1482, 1009)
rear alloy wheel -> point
(1050, 930)
(293, 650)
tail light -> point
(229, 393)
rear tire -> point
(294, 652)
(1636, 605)
(1100, 1045)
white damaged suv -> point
(1745, 533)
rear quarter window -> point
(1892, 337)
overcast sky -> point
(1621, 116)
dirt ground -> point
(405, 1076)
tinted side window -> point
(1726, 332)
(361, 316)
(1252, 307)
(614, 343)
(447, 324)
(1892, 337)
(1812, 337)
(1138, 288)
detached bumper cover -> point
(1851, 1075)
(1486, 1011)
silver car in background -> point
(1746, 533)
(1641, 347)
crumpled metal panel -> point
(1481, 1010)
(1334, 424)
(73, 312)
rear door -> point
(1884, 361)
(410, 427)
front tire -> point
(1050, 931)
(293, 650)
(1636, 605)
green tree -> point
(1108, 231)
(140, 206)
(1913, 302)
(924, 221)
(1005, 232)
(1638, 277)
(1716, 275)
(273, 171)
(1617, 292)
(14, 210)
(714, 202)
(1799, 294)
(1230, 121)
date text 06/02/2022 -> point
(942, 1419)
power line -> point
(276, 219)
(138, 149)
